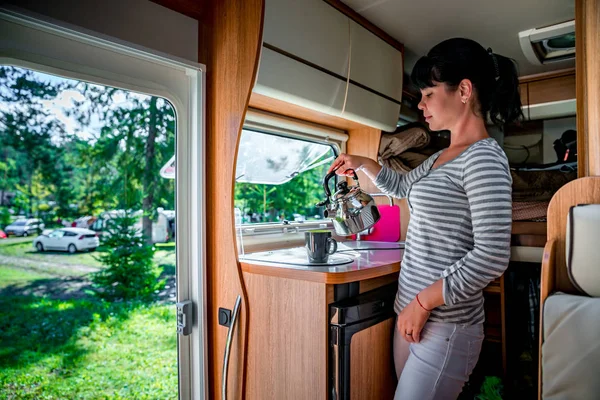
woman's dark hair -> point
(493, 76)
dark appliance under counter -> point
(353, 315)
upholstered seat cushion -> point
(582, 249)
(571, 349)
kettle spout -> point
(330, 208)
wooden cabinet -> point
(548, 95)
(372, 368)
(552, 89)
(547, 87)
(288, 341)
(524, 92)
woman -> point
(458, 239)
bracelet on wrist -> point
(421, 304)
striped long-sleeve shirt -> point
(459, 230)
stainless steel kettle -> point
(351, 209)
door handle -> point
(236, 308)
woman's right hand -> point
(345, 164)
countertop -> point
(365, 260)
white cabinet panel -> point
(375, 63)
(283, 78)
(552, 109)
(309, 29)
(369, 109)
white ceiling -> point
(421, 24)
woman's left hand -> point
(411, 321)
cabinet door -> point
(316, 91)
(372, 374)
(309, 29)
(370, 109)
(553, 89)
(374, 63)
(524, 93)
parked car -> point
(69, 239)
(25, 227)
(2, 234)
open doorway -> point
(89, 262)
(96, 317)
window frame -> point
(275, 234)
(43, 44)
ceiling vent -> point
(549, 44)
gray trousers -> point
(439, 365)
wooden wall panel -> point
(581, 92)
(230, 42)
(590, 16)
(261, 102)
(287, 340)
(365, 142)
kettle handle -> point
(330, 175)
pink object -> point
(387, 229)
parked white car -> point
(67, 239)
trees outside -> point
(131, 273)
(105, 151)
(102, 152)
(28, 136)
(275, 203)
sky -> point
(64, 101)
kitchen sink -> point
(295, 256)
(346, 254)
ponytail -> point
(505, 101)
(493, 76)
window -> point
(280, 178)
(281, 163)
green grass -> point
(27, 250)
(85, 349)
(165, 255)
(17, 276)
(57, 341)
(13, 240)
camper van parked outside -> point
(161, 232)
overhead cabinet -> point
(548, 97)
(374, 63)
(316, 57)
(309, 30)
